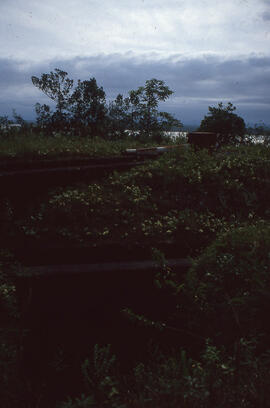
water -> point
(172, 135)
(260, 139)
(256, 139)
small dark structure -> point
(202, 140)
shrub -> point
(9, 334)
(229, 283)
(176, 379)
(187, 199)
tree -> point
(118, 116)
(230, 128)
(44, 116)
(83, 109)
(57, 86)
(18, 118)
(4, 122)
(87, 105)
(144, 115)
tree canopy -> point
(230, 127)
(149, 120)
(84, 108)
(56, 85)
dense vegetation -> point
(230, 127)
(40, 147)
(207, 344)
(214, 208)
(82, 109)
(168, 199)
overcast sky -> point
(206, 51)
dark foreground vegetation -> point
(208, 345)
(197, 337)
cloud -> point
(266, 15)
(197, 82)
(207, 51)
(66, 28)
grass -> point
(30, 146)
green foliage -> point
(217, 378)
(99, 368)
(139, 113)
(9, 333)
(229, 282)
(99, 380)
(4, 121)
(186, 199)
(119, 116)
(84, 109)
(56, 85)
(230, 127)
(82, 402)
(87, 106)
(61, 145)
(8, 307)
(144, 116)
(211, 207)
(44, 117)
(19, 119)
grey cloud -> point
(266, 16)
(11, 73)
(196, 82)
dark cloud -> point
(196, 82)
(266, 16)
(11, 74)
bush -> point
(186, 198)
(229, 284)
(194, 201)
(175, 379)
(9, 334)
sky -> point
(206, 51)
